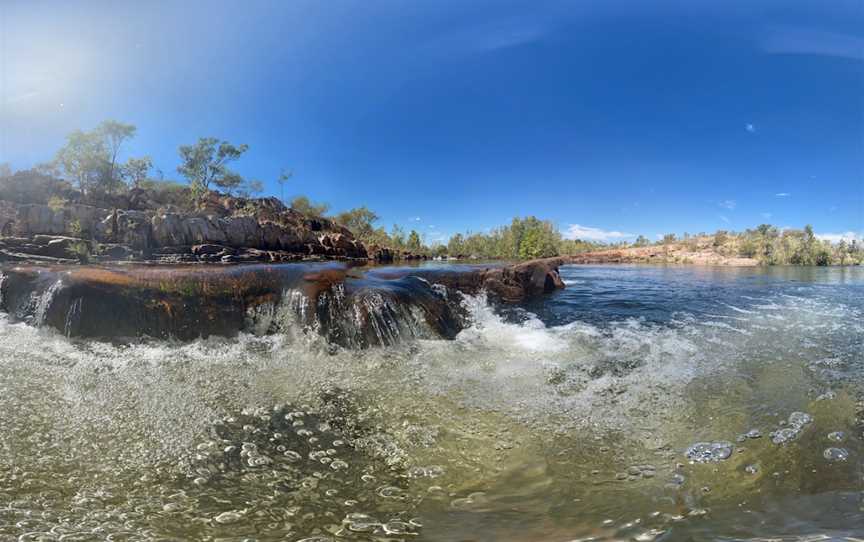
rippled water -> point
(641, 403)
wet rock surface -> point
(349, 306)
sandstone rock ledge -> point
(227, 229)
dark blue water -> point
(603, 294)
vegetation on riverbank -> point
(87, 170)
(763, 245)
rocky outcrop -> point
(247, 230)
(508, 283)
(348, 306)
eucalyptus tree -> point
(205, 163)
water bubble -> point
(649, 536)
(391, 492)
(753, 433)
(782, 436)
(835, 454)
(338, 464)
(361, 523)
(292, 456)
(751, 469)
(799, 419)
(837, 436)
(705, 452)
(397, 527)
(228, 517)
(794, 425)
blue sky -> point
(609, 118)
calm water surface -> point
(573, 417)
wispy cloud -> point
(723, 218)
(587, 233)
(766, 216)
(848, 236)
(492, 36)
(750, 127)
(22, 97)
(791, 40)
(782, 194)
(728, 204)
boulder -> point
(114, 252)
(343, 245)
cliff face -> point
(225, 230)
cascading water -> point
(641, 403)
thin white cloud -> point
(728, 204)
(750, 127)
(414, 219)
(766, 216)
(782, 194)
(791, 40)
(723, 218)
(23, 97)
(491, 36)
(848, 236)
(587, 233)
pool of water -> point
(640, 403)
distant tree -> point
(250, 188)
(83, 159)
(456, 245)
(440, 250)
(842, 251)
(397, 236)
(302, 205)
(89, 159)
(669, 238)
(206, 163)
(414, 244)
(136, 170)
(720, 238)
(5, 169)
(282, 179)
(114, 134)
(537, 242)
(359, 220)
(641, 241)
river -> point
(639, 403)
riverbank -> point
(667, 254)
